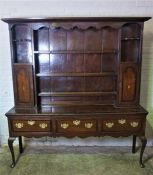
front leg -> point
(10, 144)
(20, 144)
(134, 144)
(144, 142)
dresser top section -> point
(73, 19)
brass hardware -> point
(109, 125)
(23, 88)
(122, 121)
(31, 122)
(128, 86)
(88, 125)
(64, 125)
(76, 122)
(134, 124)
(43, 125)
(19, 125)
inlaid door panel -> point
(128, 83)
(23, 85)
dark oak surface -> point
(64, 19)
(80, 109)
(76, 77)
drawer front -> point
(76, 126)
(121, 124)
(31, 125)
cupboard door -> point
(129, 84)
(23, 85)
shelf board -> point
(21, 64)
(132, 38)
(128, 62)
(69, 94)
(75, 74)
(114, 51)
(22, 40)
(72, 103)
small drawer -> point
(31, 125)
(76, 126)
(121, 124)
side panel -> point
(23, 85)
(129, 84)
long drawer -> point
(31, 125)
(121, 125)
(76, 126)
(79, 125)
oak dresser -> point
(76, 77)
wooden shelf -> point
(72, 103)
(21, 64)
(77, 52)
(69, 94)
(22, 40)
(132, 38)
(128, 62)
(75, 74)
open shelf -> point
(22, 40)
(127, 62)
(75, 74)
(130, 42)
(77, 52)
(69, 94)
(21, 43)
(72, 103)
(77, 66)
(132, 38)
(20, 64)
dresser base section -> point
(115, 125)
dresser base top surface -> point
(76, 110)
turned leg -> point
(20, 144)
(10, 144)
(134, 144)
(144, 142)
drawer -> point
(76, 126)
(31, 125)
(121, 124)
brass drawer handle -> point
(122, 121)
(76, 122)
(43, 125)
(88, 125)
(31, 122)
(64, 125)
(19, 125)
(109, 125)
(134, 124)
